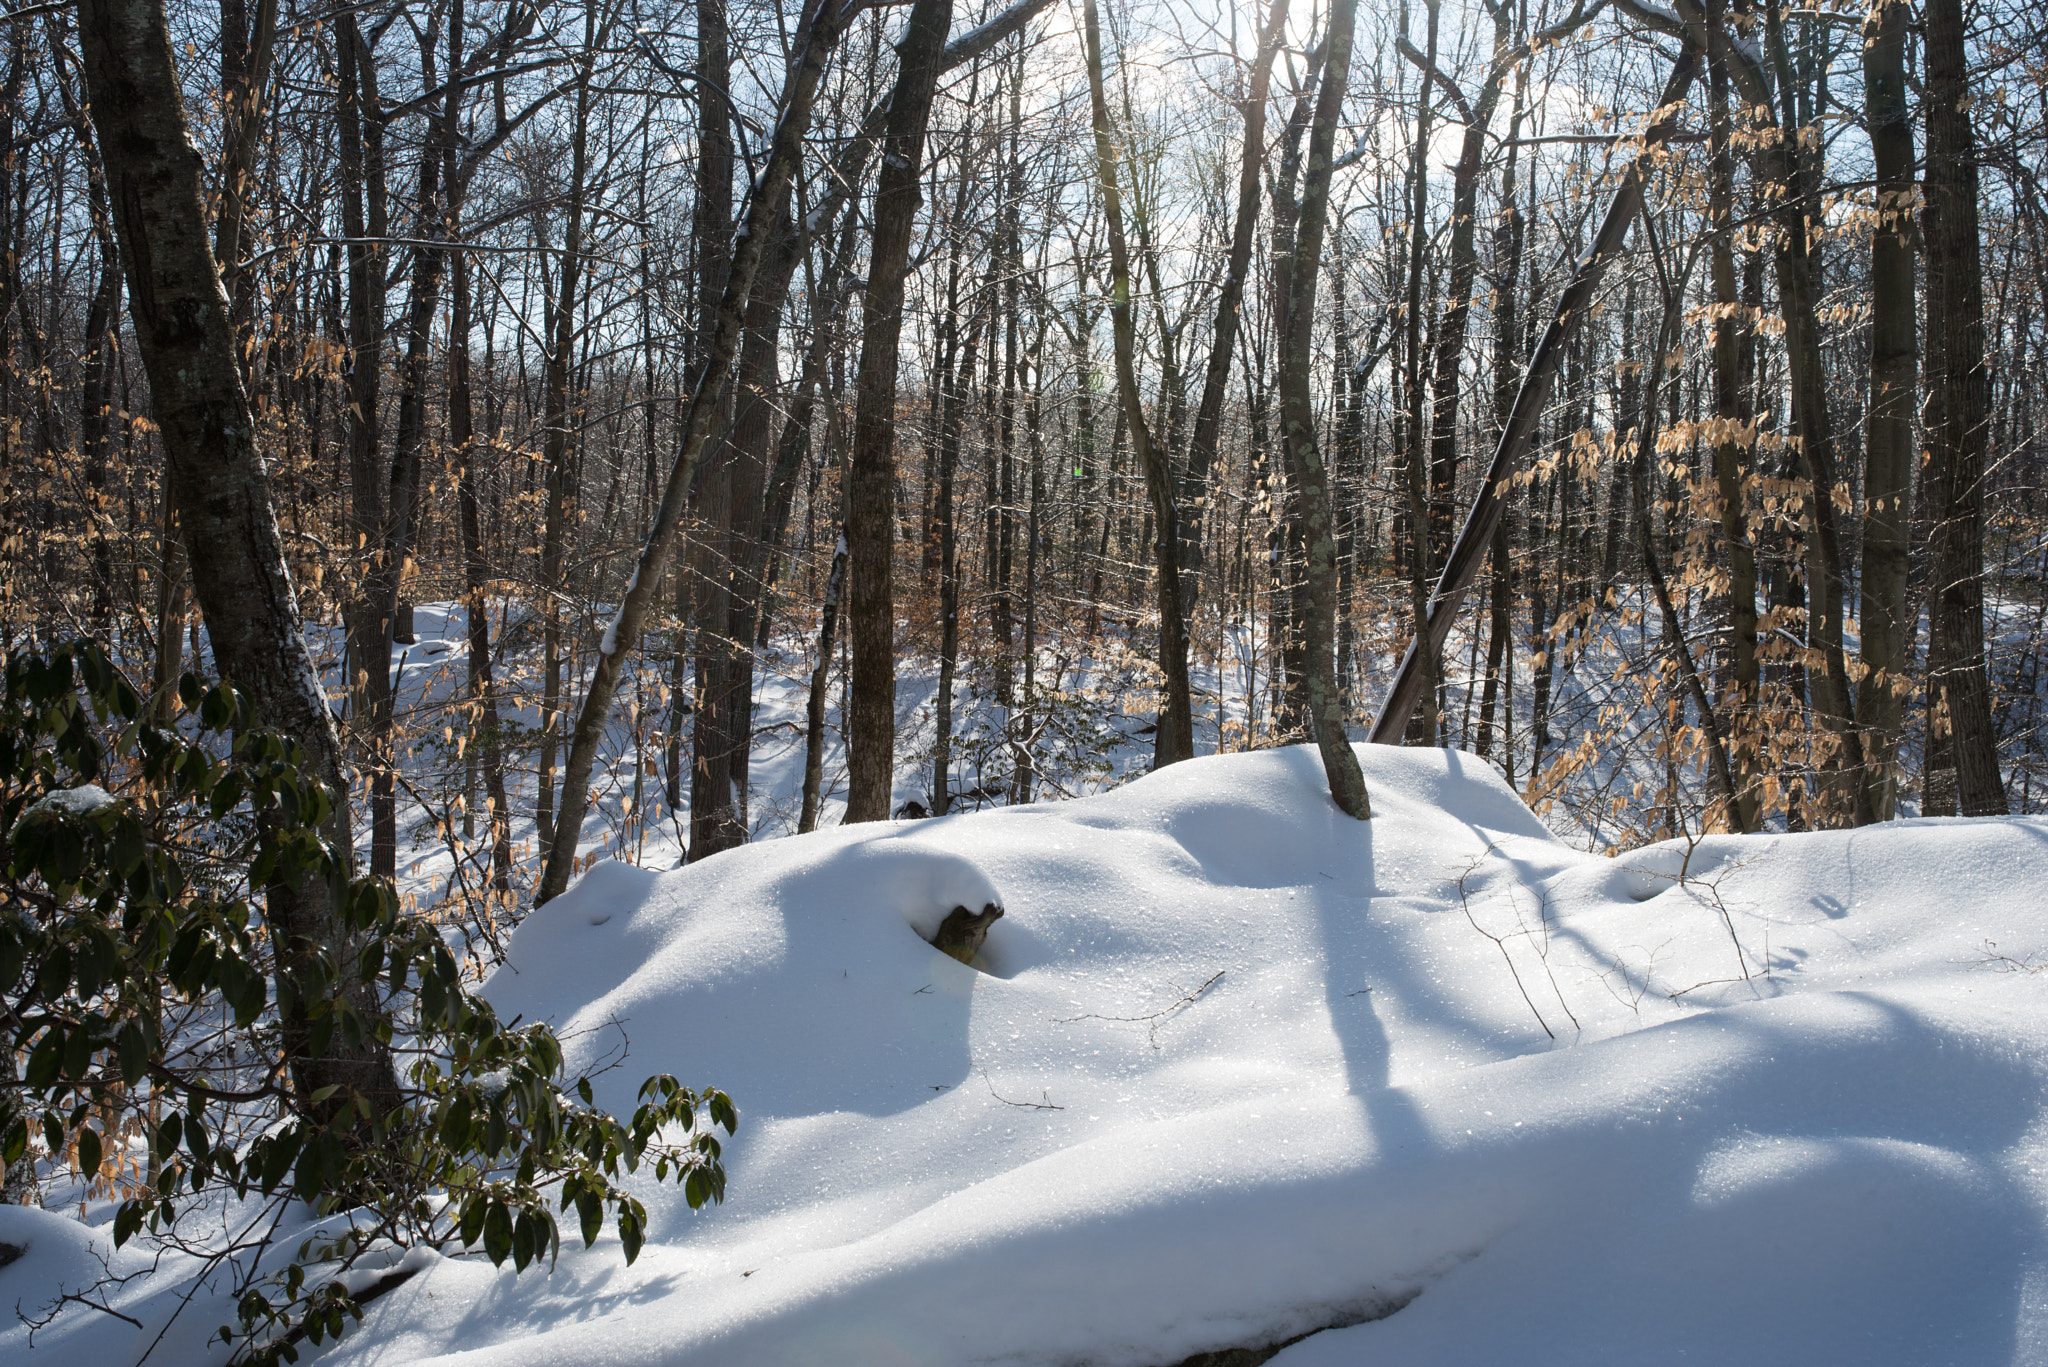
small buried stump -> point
(962, 933)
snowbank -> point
(1234, 1069)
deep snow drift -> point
(1234, 1068)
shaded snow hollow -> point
(1239, 1069)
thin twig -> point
(1499, 942)
(71, 1297)
(1157, 1018)
(2006, 963)
(1045, 1105)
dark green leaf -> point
(455, 1123)
(89, 1151)
(13, 954)
(632, 1229)
(277, 1155)
(54, 979)
(217, 708)
(524, 1247)
(226, 794)
(498, 1234)
(169, 1134)
(78, 1051)
(127, 1222)
(471, 1225)
(45, 1059)
(131, 1046)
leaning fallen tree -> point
(1462, 566)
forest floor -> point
(1605, 782)
(1090, 732)
(1233, 1069)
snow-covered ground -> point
(1233, 1069)
(1098, 736)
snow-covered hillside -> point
(1233, 1069)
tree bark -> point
(1786, 164)
(951, 414)
(1955, 420)
(186, 337)
(365, 221)
(1888, 442)
(1287, 593)
(1729, 456)
(871, 502)
(1298, 423)
(1507, 362)
(715, 824)
(1174, 737)
(483, 685)
(557, 458)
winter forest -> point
(1767, 553)
(452, 448)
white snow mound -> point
(1241, 1069)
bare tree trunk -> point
(1507, 360)
(814, 708)
(1788, 162)
(365, 220)
(483, 686)
(1287, 591)
(1730, 463)
(557, 457)
(1888, 444)
(813, 45)
(1471, 548)
(1955, 419)
(1025, 788)
(871, 501)
(1174, 737)
(828, 638)
(714, 823)
(1298, 422)
(1009, 267)
(1500, 619)
(245, 52)
(754, 485)
(187, 342)
(1347, 464)
(951, 414)
(1202, 446)
(1423, 726)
